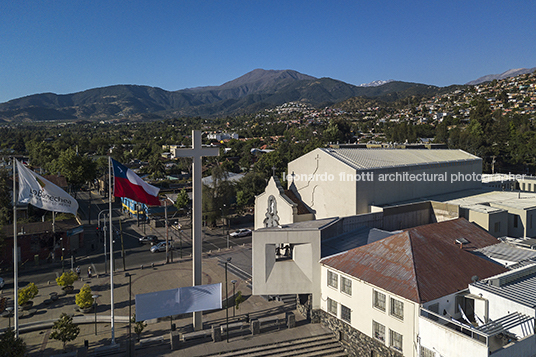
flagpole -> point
(15, 256)
(111, 248)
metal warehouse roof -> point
(517, 285)
(421, 263)
(384, 158)
(508, 252)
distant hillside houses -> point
(222, 136)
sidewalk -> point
(35, 329)
(161, 277)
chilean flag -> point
(130, 185)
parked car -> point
(161, 247)
(243, 232)
(1, 283)
(149, 239)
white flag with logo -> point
(41, 193)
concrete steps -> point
(317, 346)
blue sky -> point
(70, 46)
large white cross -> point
(197, 152)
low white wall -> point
(448, 342)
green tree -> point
(5, 198)
(251, 185)
(64, 330)
(77, 169)
(10, 345)
(220, 193)
(157, 169)
(182, 200)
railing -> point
(452, 324)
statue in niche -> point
(272, 219)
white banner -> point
(41, 193)
(178, 301)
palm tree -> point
(157, 168)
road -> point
(126, 244)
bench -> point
(151, 340)
(196, 334)
(272, 320)
(232, 326)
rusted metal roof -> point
(422, 263)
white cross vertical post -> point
(196, 153)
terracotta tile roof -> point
(422, 263)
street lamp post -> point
(227, 299)
(9, 310)
(234, 305)
(105, 229)
(62, 249)
(224, 221)
(95, 309)
(129, 313)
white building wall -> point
(317, 180)
(340, 190)
(446, 303)
(390, 190)
(448, 342)
(363, 311)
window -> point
(395, 340)
(346, 314)
(379, 300)
(397, 308)
(515, 221)
(332, 307)
(333, 279)
(346, 285)
(425, 352)
(378, 331)
(497, 227)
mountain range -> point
(250, 93)
(507, 74)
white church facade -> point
(346, 182)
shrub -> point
(84, 298)
(27, 293)
(239, 299)
(67, 279)
(138, 326)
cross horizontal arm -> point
(197, 152)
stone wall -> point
(303, 305)
(356, 343)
